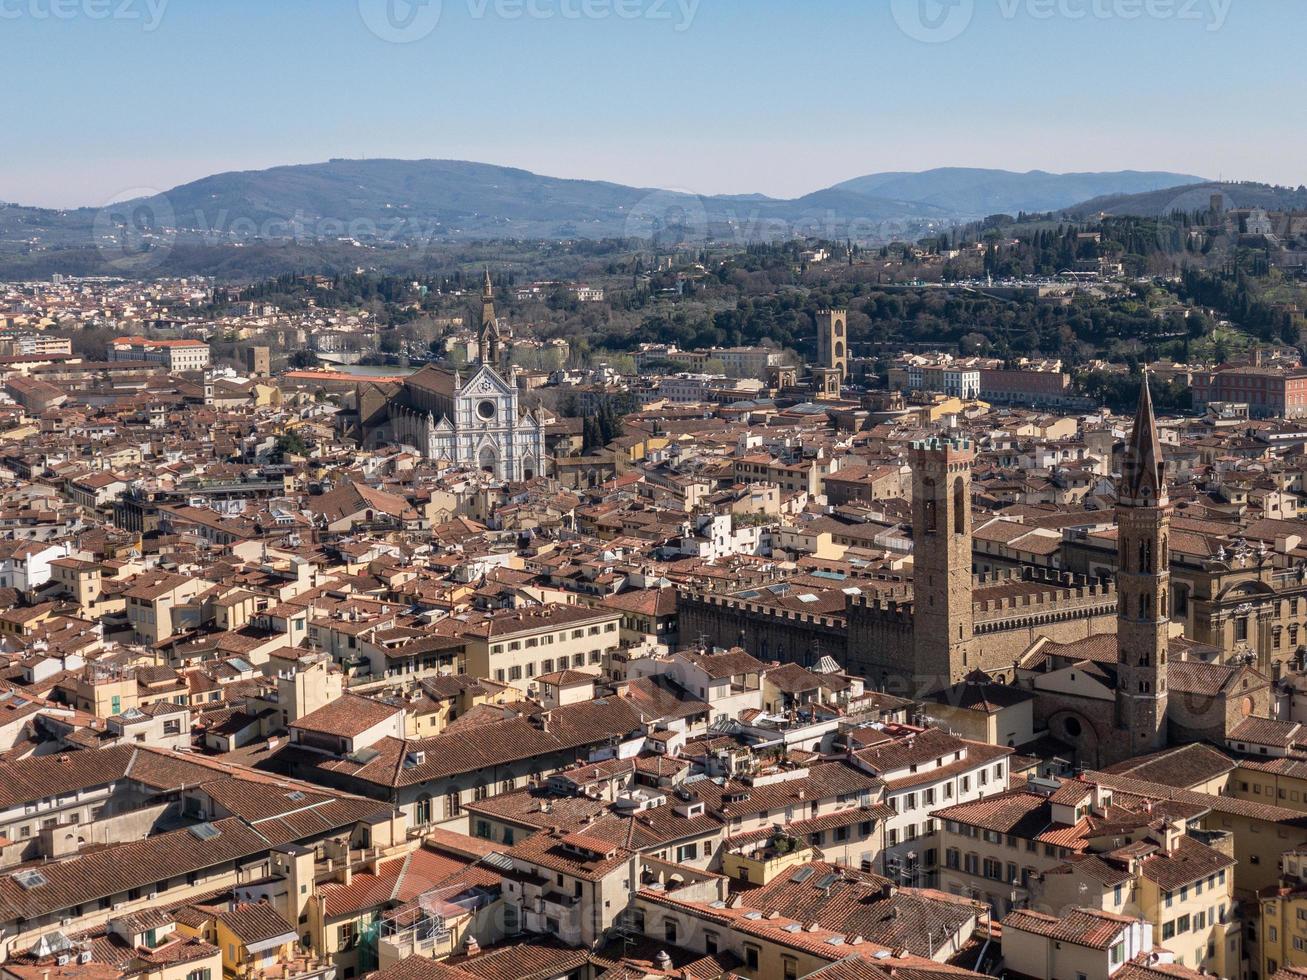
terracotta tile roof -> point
(1183, 766)
(348, 715)
(484, 746)
(1203, 801)
(1208, 680)
(1190, 861)
(1265, 731)
(644, 602)
(1091, 928)
(257, 923)
(399, 880)
(418, 967)
(538, 960)
(532, 619)
(832, 942)
(99, 874)
(719, 666)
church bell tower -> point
(1143, 516)
(488, 339)
(943, 626)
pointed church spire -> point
(1141, 470)
(488, 337)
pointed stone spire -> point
(1142, 484)
(488, 340)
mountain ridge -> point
(1194, 197)
(383, 202)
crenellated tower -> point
(1143, 516)
(943, 612)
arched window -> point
(930, 506)
(959, 506)
(422, 812)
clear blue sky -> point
(777, 96)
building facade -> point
(475, 422)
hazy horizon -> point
(674, 94)
(723, 191)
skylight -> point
(204, 831)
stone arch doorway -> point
(488, 460)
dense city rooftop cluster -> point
(724, 665)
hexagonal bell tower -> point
(1143, 516)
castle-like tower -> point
(488, 339)
(832, 341)
(942, 609)
(1143, 516)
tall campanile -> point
(942, 612)
(488, 338)
(1143, 516)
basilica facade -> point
(473, 420)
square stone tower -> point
(942, 611)
(833, 341)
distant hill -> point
(967, 192)
(312, 215)
(1195, 197)
(450, 200)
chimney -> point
(470, 946)
(663, 961)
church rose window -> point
(486, 410)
